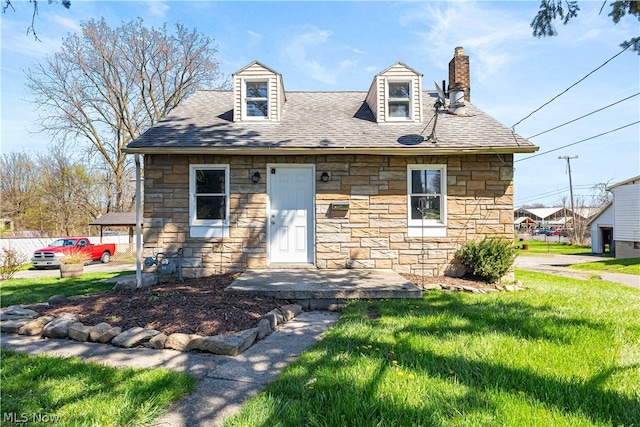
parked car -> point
(542, 231)
(553, 232)
(53, 254)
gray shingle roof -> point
(116, 218)
(323, 121)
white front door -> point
(291, 194)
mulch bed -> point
(195, 306)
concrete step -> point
(325, 289)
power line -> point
(553, 192)
(578, 142)
(567, 89)
(586, 115)
(556, 193)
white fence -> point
(26, 246)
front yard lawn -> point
(626, 266)
(43, 390)
(562, 353)
(39, 289)
(537, 247)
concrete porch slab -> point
(329, 285)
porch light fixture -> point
(324, 177)
(255, 177)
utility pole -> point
(573, 211)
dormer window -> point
(258, 94)
(395, 95)
(399, 100)
(257, 98)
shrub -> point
(489, 259)
(75, 256)
(10, 262)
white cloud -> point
(302, 50)
(318, 56)
(496, 37)
(70, 24)
(254, 35)
(16, 41)
(159, 9)
(254, 39)
(348, 63)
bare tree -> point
(68, 193)
(585, 208)
(106, 86)
(18, 177)
(50, 192)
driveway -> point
(559, 264)
(93, 267)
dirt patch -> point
(195, 306)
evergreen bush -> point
(489, 259)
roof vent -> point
(457, 105)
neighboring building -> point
(601, 230)
(621, 219)
(556, 217)
(259, 177)
(525, 224)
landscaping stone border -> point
(21, 320)
(516, 286)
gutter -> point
(427, 150)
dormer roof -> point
(395, 95)
(258, 94)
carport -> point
(117, 219)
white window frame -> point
(428, 227)
(408, 101)
(246, 99)
(207, 227)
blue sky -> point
(342, 45)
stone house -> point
(259, 177)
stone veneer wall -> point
(371, 234)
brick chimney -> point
(459, 77)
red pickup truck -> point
(52, 254)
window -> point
(209, 200)
(399, 100)
(427, 200)
(257, 98)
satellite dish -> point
(441, 96)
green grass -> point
(626, 266)
(562, 353)
(537, 247)
(39, 289)
(69, 392)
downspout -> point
(138, 224)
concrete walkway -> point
(559, 264)
(224, 382)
